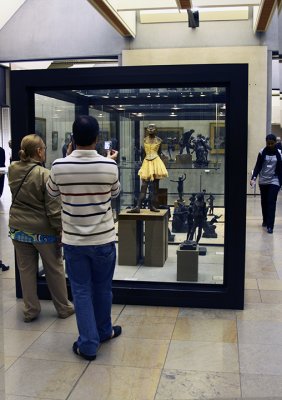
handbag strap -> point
(22, 183)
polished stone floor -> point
(164, 353)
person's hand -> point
(112, 154)
(69, 148)
(252, 182)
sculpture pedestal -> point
(130, 238)
(187, 264)
(184, 159)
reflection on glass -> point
(190, 122)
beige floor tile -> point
(144, 320)
(252, 296)
(269, 284)
(117, 309)
(202, 356)
(129, 352)
(261, 312)
(9, 361)
(101, 382)
(271, 296)
(259, 332)
(54, 346)
(264, 359)
(67, 325)
(209, 330)
(11, 397)
(206, 313)
(13, 319)
(8, 304)
(150, 311)
(147, 330)
(261, 386)
(17, 341)
(185, 385)
(251, 283)
(42, 378)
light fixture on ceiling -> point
(149, 95)
(191, 94)
(193, 18)
(120, 108)
(106, 96)
(202, 94)
(100, 115)
(223, 107)
(175, 107)
(139, 115)
(172, 114)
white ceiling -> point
(8, 9)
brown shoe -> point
(68, 314)
(28, 319)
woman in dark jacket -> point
(269, 169)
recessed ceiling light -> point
(202, 94)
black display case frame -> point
(234, 77)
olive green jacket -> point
(33, 211)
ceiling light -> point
(223, 107)
(191, 94)
(120, 108)
(140, 114)
(175, 107)
(149, 95)
(202, 94)
(172, 114)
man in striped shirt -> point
(86, 182)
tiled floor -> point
(164, 353)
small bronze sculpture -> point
(185, 141)
(199, 216)
(210, 201)
(180, 181)
(201, 148)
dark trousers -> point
(2, 177)
(268, 203)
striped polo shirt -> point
(86, 182)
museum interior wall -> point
(52, 33)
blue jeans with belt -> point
(90, 270)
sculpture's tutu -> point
(152, 167)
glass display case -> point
(185, 246)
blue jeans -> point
(90, 270)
